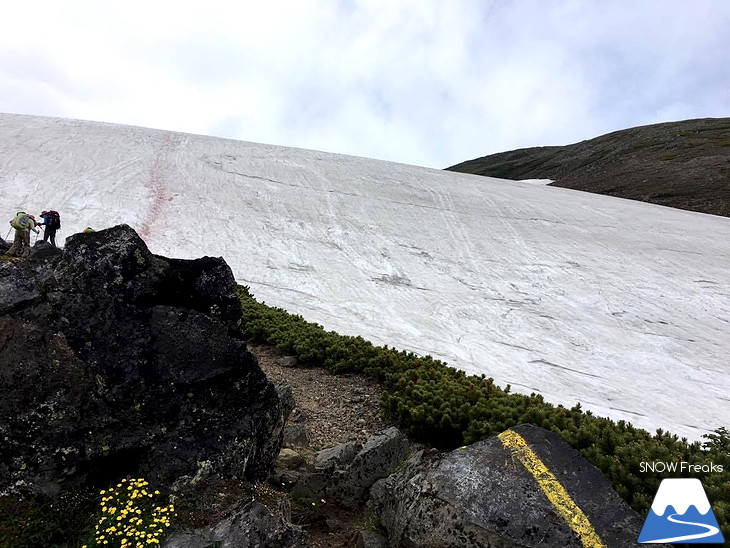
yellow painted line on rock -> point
(553, 489)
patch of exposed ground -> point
(334, 409)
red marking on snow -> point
(156, 186)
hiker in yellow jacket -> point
(23, 224)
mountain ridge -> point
(683, 164)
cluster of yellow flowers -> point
(128, 517)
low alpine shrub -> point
(446, 407)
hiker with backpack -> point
(23, 224)
(52, 222)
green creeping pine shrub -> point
(446, 407)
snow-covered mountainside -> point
(620, 305)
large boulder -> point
(115, 361)
(43, 252)
(379, 455)
(337, 457)
(343, 474)
(18, 288)
(482, 495)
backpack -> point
(20, 221)
(54, 220)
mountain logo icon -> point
(681, 513)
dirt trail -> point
(335, 409)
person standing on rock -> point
(23, 224)
(52, 222)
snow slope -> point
(620, 305)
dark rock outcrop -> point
(114, 361)
(337, 457)
(254, 526)
(343, 474)
(296, 435)
(43, 251)
(289, 459)
(379, 455)
(482, 496)
(18, 288)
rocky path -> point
(331, 409)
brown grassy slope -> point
(678, 164)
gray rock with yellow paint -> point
(484, 495)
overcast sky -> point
(426, 82)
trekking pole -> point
(6, 237)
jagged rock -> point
(338, 456)
(343, 474)
(18, 288)
(188, 540)
(371, 539)
(254, 526)
(289, 459)
(348, 436)
(116, 361)
(379, 455)
(482, 496)
(296, 435)
(284, 478)
(286, 397)
(43, 251)
(311, 486)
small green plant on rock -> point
(371, 522)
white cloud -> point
(424, 82)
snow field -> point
(619, 305)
